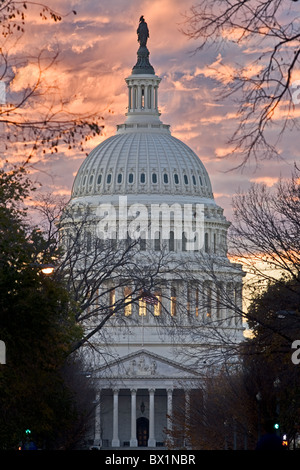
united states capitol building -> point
(149, 356)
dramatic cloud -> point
(97, 49)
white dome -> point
(142, 162)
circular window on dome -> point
(143, 178)
(154, 178)
(176, 178)
(166, 178)
(185, 179)
(108, 179)
(130, 178)
(119, 178)
(99, 179)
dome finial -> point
(143, 32)
(143, 65)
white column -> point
(129, 98)
(133, 440)
(169, 413)
(115, 440)
(152, 99)
(97, 436)
(151, 440)
(139, 103)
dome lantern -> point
(142, 85)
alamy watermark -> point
(2, 92)
(296, 354)
(2, 353)
(152, 222)
(296, 93)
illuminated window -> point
(142, 308)
(196, 302)
(112, 299)
(157, 307)
(127, 299)
(173, 302)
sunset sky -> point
(98, 49)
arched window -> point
(194, 180)
(119, 178)
(130, 178)
(99, 178)
(154, 178)
(143, 178)
(200, 179)
(185, 179)
(166, 178)
(108, 179)
(91, 179)
(176, 178)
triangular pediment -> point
(145, 364)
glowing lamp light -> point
(47, 269)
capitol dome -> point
(148, 161)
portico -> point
(136, 411)
(149, 412)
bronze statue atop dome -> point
(143, 65)
(143, 32)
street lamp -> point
(47, 269)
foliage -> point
(37, 325)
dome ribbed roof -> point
(142, 161)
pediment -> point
(144, 364)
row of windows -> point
(154, 179)
(197, 303)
